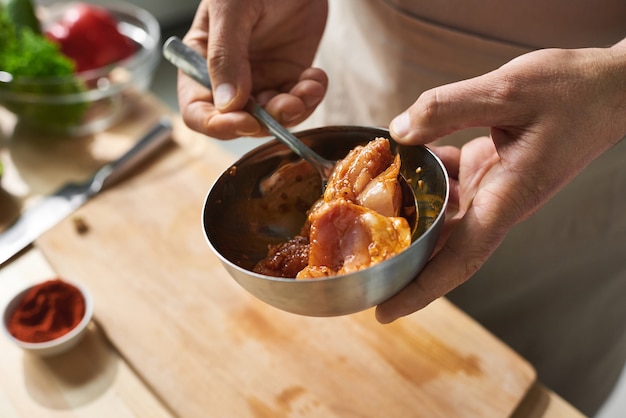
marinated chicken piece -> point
(383, 193)
(354, 225)
(368, 175)
(285, 259)
(288, 178)
(346, 237)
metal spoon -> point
(195, 66)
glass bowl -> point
(93, 100)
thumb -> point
(227, 53)
(476, 102)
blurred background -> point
(170, 13)
(175, 18)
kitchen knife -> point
(56, 207)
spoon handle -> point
(195, 66)
(324, 166)
(187, 60)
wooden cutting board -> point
(209, 349)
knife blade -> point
(59, 205)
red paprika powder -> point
(47, 311)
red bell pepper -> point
(89, 35)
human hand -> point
(261, 48)
(551, 112)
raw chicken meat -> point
(354, 226)
(368, 176)
(346, 237)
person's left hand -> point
(551, 112)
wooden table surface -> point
(107, 374)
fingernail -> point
(244, 132)
(311, 101)
(223, 95)
(251, 129)
(382, 317)
(288, 117)
(400, 125)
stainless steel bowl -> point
(240, 222)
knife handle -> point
(152, 141)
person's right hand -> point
(262, 49)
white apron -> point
(555, 290)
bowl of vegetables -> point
(69, 68)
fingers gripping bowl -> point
(240, 222)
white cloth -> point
(555, 290)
